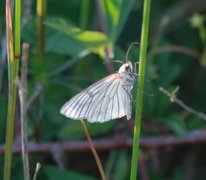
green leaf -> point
(53, 173)
(61, 43)
(116, 13)
(77, 39)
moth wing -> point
(111, 104)
(107, 99)
(78, 107)
(116, 102)
(128, 101)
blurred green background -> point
(76, 36)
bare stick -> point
(38, 166)
(23, 118)
(105, 144)
(173, 98)
(97, 159)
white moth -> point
(107, 99)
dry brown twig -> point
(94, 152)
(22, 85)
(173, 98)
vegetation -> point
(72, 45)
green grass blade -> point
(41, 15)
(13, 66)
(84, 14)
(141, 77)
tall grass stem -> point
(141, 78)
(84, 16)
(41, 14)
(13, 56)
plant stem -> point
(13, 66)
(84, 14)
(141, 77)
(41, 12)
(187, 108)
(17, 30)
(94, 152)
(22, 97)
(38, 166)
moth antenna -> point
(115, 61)
(118, 61)
(131, 45)
(148, 94)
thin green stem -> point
(10, 116)
(17, 35)
(17, 28)
(13, 66)
(141, 77)
(41, 13)
(84, 14)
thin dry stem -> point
(25, 154)
(38, 166)
(173, 98)
(22, 96)
(97, 159)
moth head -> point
(127, 67)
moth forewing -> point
(109, 98)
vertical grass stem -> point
(13, 66)
(141, 77)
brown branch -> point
(173, 98)
(195, 137)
